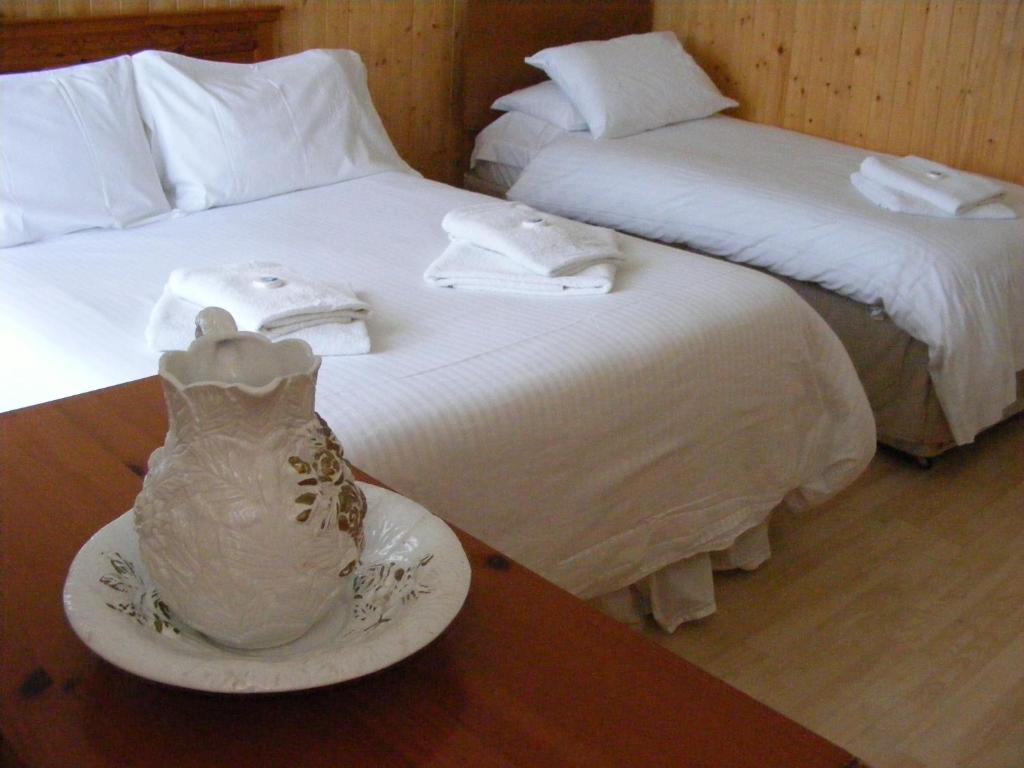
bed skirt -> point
(893, 367)
(685, 590)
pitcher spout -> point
(229, 376)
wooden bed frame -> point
(892, 365)
(231, 35)
(499, 34)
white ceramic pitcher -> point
(249, 519)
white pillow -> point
(513, 139)
(229, 133)
(545, 101)
(73, 153)
(632, 84)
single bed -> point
(931, 310)
(617, 444)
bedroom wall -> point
(406, 44)
(944, 78)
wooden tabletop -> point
(526, 675)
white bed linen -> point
(514, 139)
(783, 201)
(595, 439)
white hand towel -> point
(172, 325)
(464, 265)
(249, 294)
(948, 189)
(543, 243)
(899, 202)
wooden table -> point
(526, 675)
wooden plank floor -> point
(891, 619)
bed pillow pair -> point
(74, 152)
(631, 84)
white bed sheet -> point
(595, 439)
(783, 201)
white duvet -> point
(595, 439)
(783, 201)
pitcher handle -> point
(215, 321)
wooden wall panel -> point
(940, 78)
(406, 45)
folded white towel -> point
(267, 297)
(464, 265)
(892, 200)
(543, 243)
(172, 325)
(952, 191)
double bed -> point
(617, 444)
(931, 310)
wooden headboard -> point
(499, 34)
(228, 35)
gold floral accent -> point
(139, 603)
(299, 465)
(329, 473)
(351, 511)
(382, 588)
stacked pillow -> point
(544, 101)
(74, 152)
(618, 87)
(231, 133)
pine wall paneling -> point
(941, 78)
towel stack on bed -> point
(512, 247)
(926, 188)
(264, 297)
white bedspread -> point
(595, 439)
(783, 201)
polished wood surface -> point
(526, 675)
(498, 35)
(943, 79)
(239, 36)
(891, 618)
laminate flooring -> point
(891, 618)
